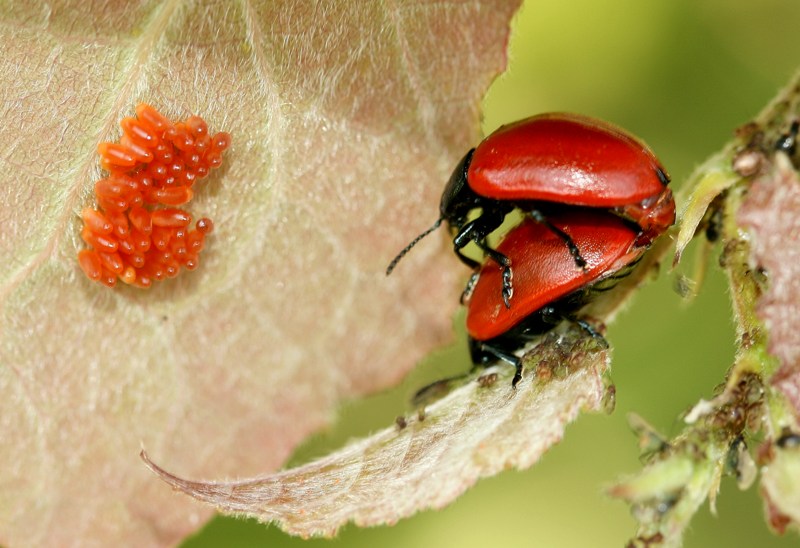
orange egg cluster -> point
(138, 235)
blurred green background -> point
(681, 74)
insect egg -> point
(137, 234)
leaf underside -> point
(478, 430)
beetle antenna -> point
(414, 242)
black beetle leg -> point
(589, 328)
(469, 232)
(508, 275)
(788, 142)
(539, 217)
(477, 347)
(553, 317)
(476, 231)
(469, 288)
(437, 390)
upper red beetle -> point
(552, 158)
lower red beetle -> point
(548, 287)
(552, 158)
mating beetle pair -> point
(594, 199)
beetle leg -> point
(437, 390)
(788, 142)
(539, 217)
(508, 275)
(589, 328)
(476, 231)
(551, 315)
(480, 349)
(465, 235)
(469, 288)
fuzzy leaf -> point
(346, 118)
(478, 430)
(770, 212)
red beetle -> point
(548, 287)
(552, 158)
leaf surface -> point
(346, 119)
(478, 430)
